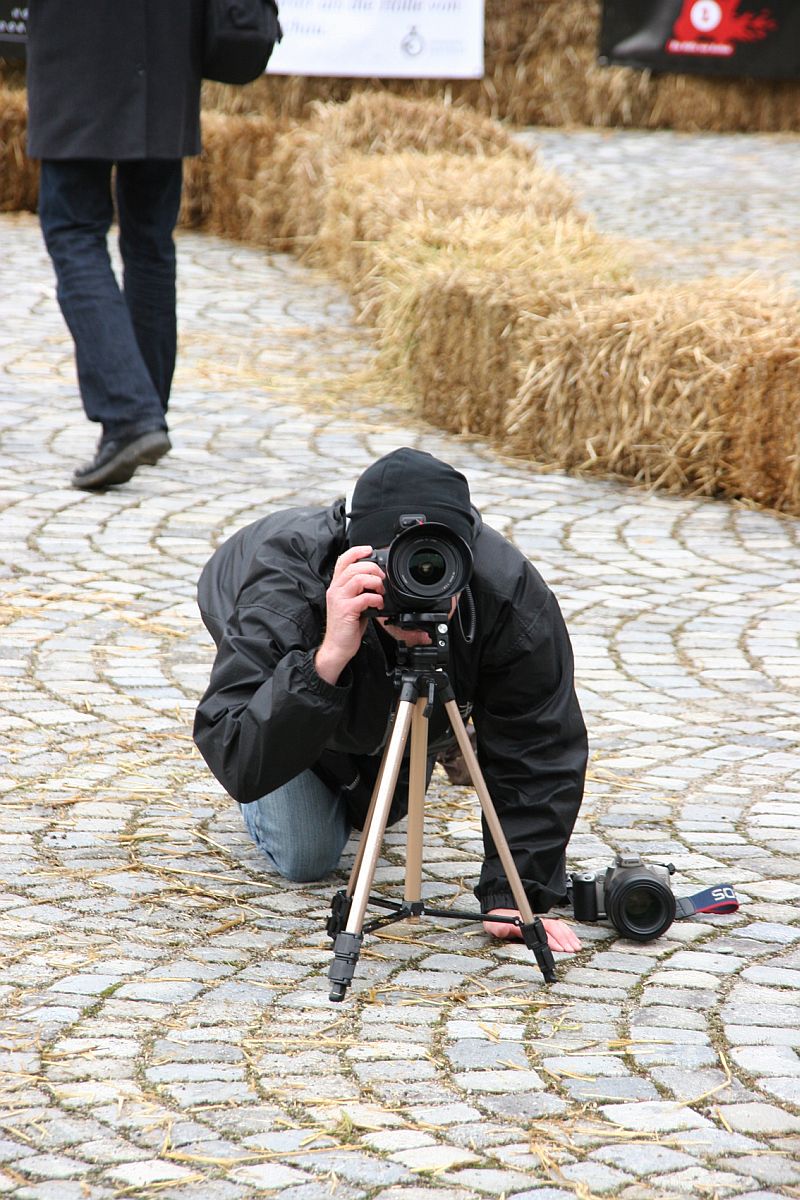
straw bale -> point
(196, 192)
(765, 438)
(307, 156)
(449, 302)
(686, 388)
(19, 175)
(380, 123)
(370, 196)
(230, 189)
(539, 259)
(12, 73)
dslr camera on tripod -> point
(637, 899)
(425, 565)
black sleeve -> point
(266, 714)
(532, 746)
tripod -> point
(419, 676)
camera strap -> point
(719, 899)
(466, 615)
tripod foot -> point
(346, 950)
(535, 939)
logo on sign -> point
(712, 27)
(412, 43)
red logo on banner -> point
(711, 27)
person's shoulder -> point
(501, 570)
(297, 532)
(291, 543)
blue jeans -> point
(125, 339)
(302, 828)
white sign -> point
(381, 39)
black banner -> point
(754, 38)
(13, 28)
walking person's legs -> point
(76, 211)
(148, 200)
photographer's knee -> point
(307, 865)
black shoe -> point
(117, 458)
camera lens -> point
(639, 906)
(427, 566)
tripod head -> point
(418, 667)
(434, 656)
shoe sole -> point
(145, 451)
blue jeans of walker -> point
(302, 828)
(125, 338)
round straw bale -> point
(19, 175)
(369, 197)
(656, 385)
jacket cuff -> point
(495, 900)
(335, 692)
(541, 900)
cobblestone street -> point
(166, 1029)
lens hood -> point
(638, 904)
(426, 563)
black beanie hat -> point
(408, 481)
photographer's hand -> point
(356, 587)
(559, 935)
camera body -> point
(425, 565)
(637, 899)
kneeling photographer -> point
(297, 709)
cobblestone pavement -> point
(692, 204)
(166, 1028)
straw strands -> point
(503, 313)
(370, 197)
(224, 191)
(450, 301)
(693, 387)
(19, 176)
(306, 156)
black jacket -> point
(114, 80)
(266, 715)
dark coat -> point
(266, 715)
(114, 81)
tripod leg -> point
(417, 779)
(347, 946)
(359, 855)
(532, 928)
(342, 901)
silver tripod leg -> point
(347, 944)
(415, 827)
(492, 820)
(532, 930)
